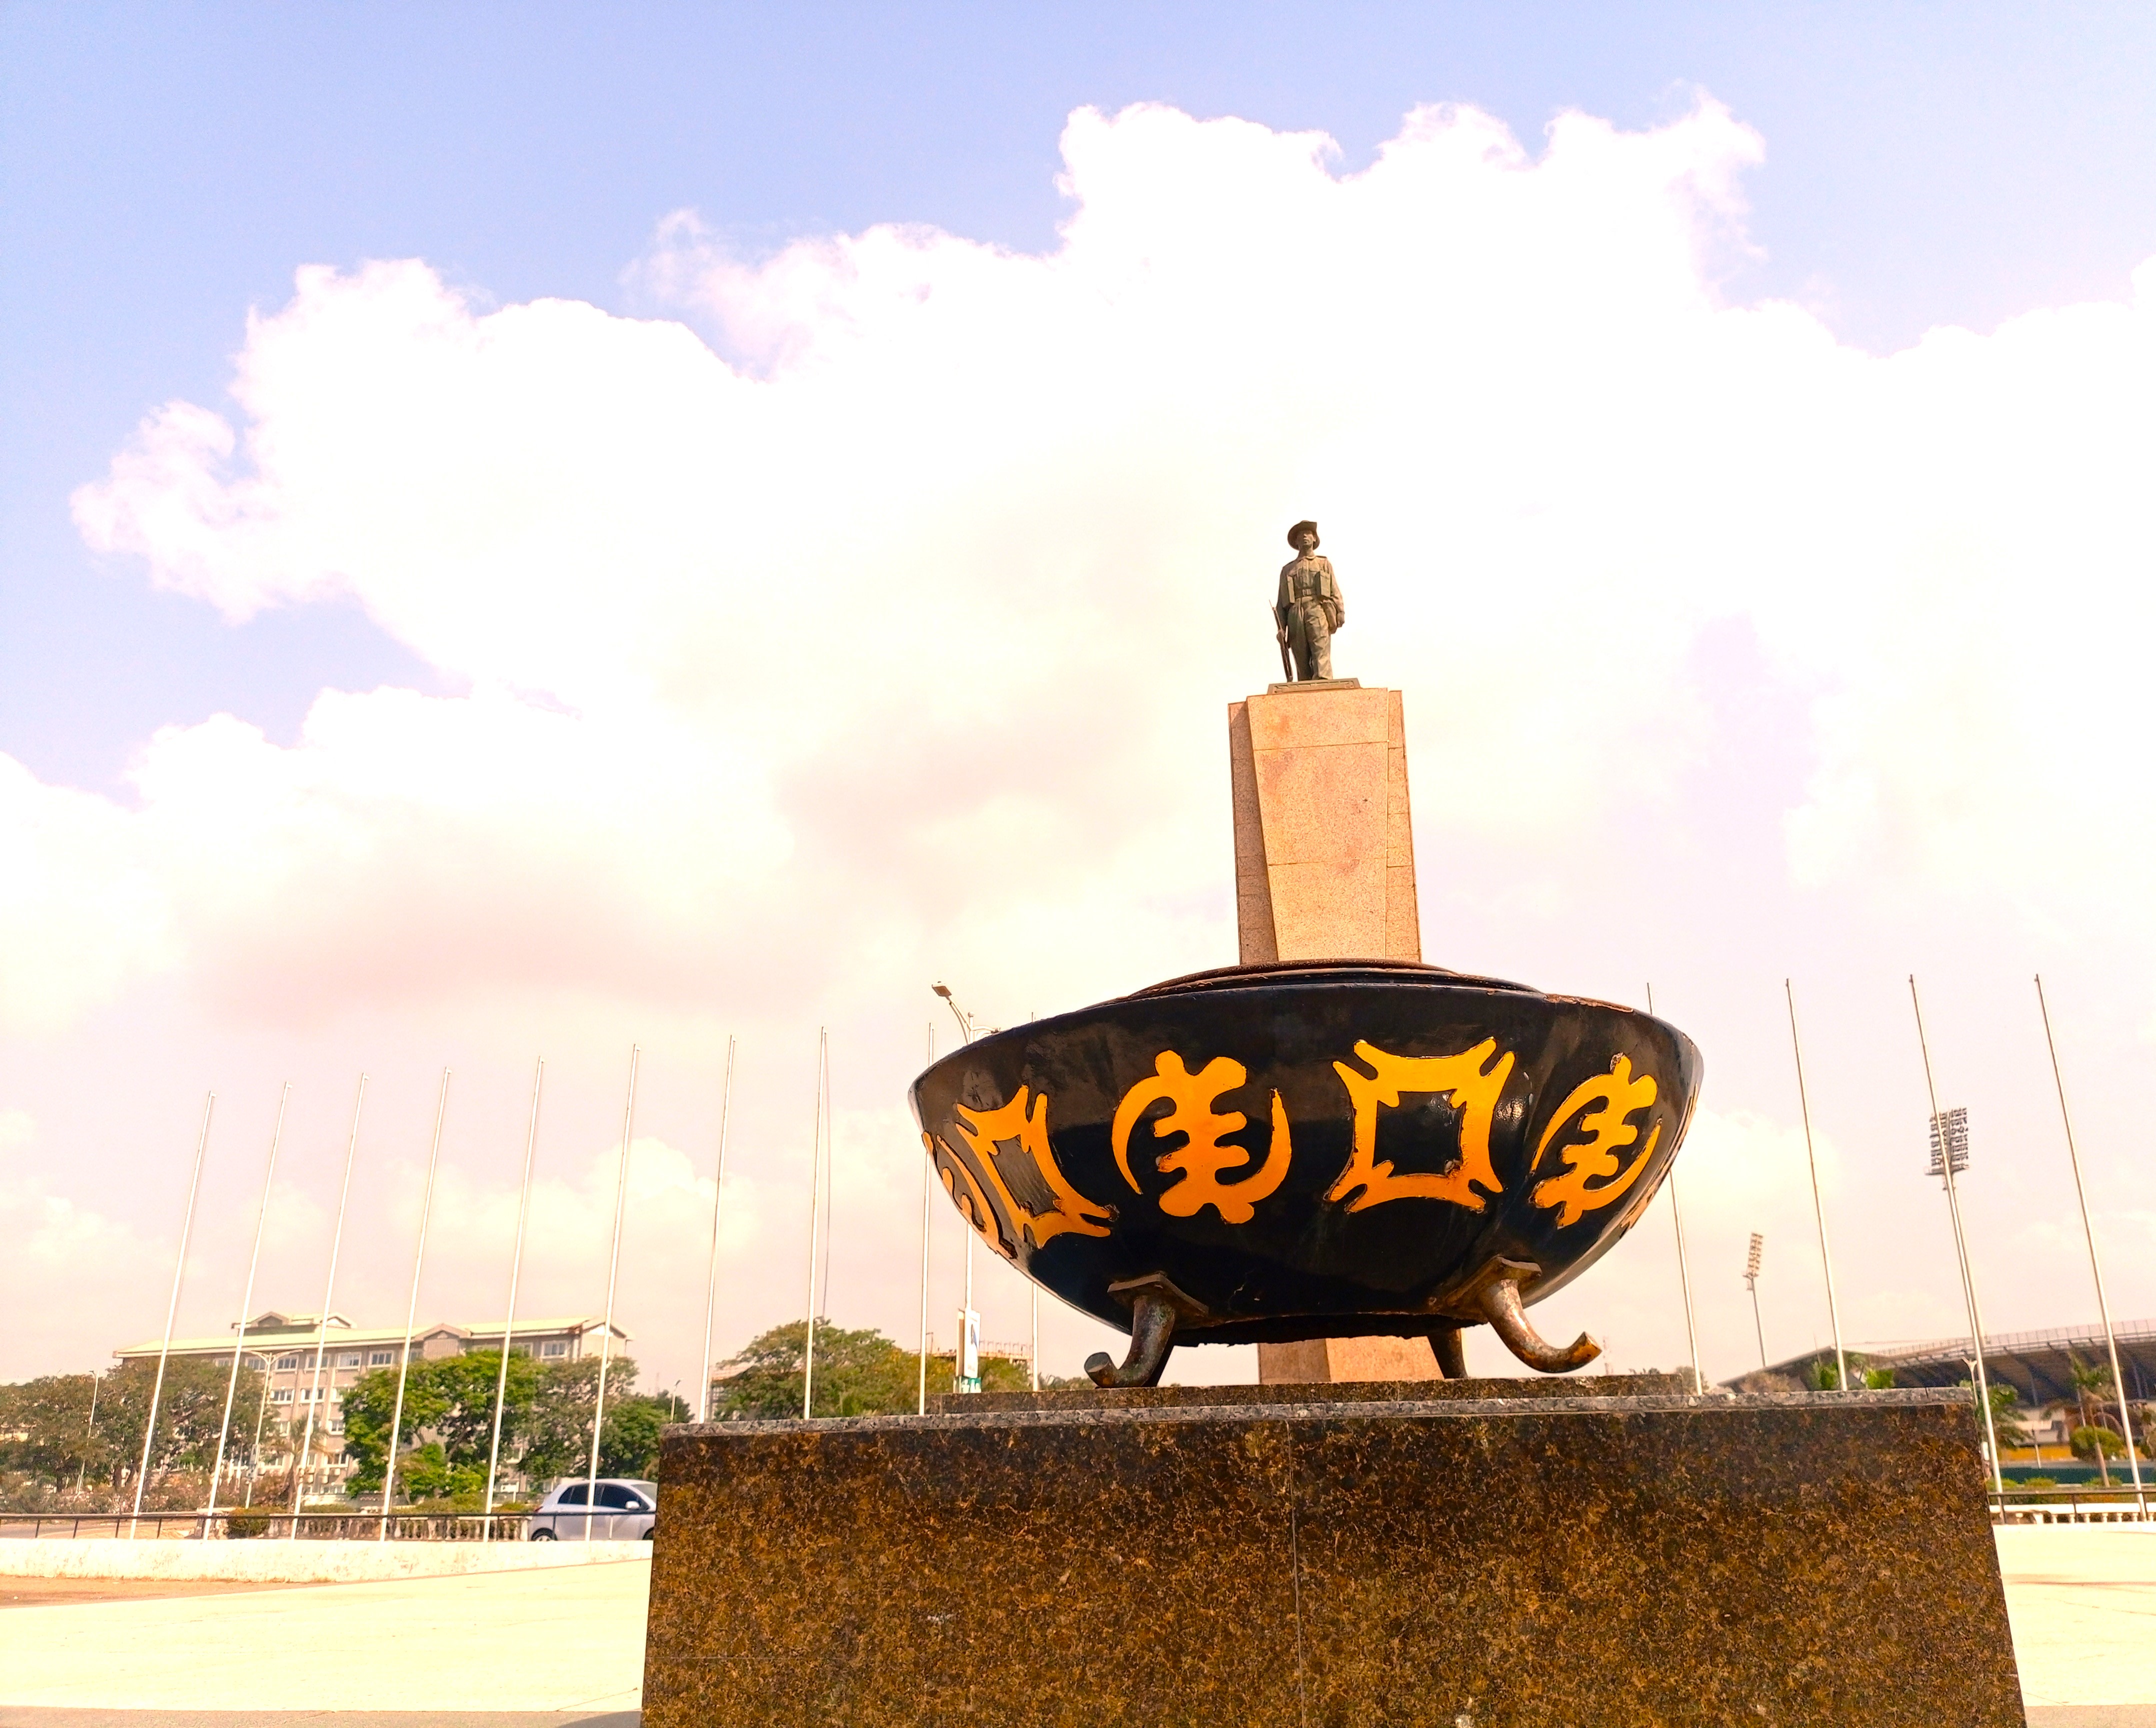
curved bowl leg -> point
(1452, 1354)
(1499, 1299)
(1152, 1336)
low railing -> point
(2074, 1506)
(401, 1526)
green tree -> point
(857, 1374)
(1862, 1376)
(2090, 1442)
(447, 1427)
(448, 1403)
(2005, 1400)
(47, 1432)
(628, 1442)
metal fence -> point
(314, 1526)
(2073, 1505)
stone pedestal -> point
(1324, 839)
(1325, 870)
(1540, 1559)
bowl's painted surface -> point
(1310, 1150)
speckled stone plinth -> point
(1558, 1560)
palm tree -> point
(2090, 1379)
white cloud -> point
(887, 633)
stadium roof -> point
(2037, 1365)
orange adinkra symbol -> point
(1203, 1157)
(1472, 1081)
(1614, 1098)
(1011, 1151)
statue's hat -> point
(1299, 528)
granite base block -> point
(1561, 1561)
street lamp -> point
(1752, 1283)
(969, 1322)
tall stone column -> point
(1325, 871)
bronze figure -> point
(1308, 607)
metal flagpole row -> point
(1819, 1206)
(412, 1311)
(928, 1188)
(509, 1321)
(613, 1271)
(2095, 1265)
(173, 1305)
(247, 1301)
(711, 1277)
(1961, 1244)
(1684, 1269)
(322, 1326)
(815, 1197)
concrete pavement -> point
(565, 1645)
(566, 1639)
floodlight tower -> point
(1950, 1159)
(1752, 1283)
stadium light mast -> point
(1949, 1159)
(1752, 1283)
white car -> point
(626, 1511)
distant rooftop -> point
(2037, 1365)
(270, 1333)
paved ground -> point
(563, 1640)
(2082, 1599)
(552, 1648)
(46, 1592)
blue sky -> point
(167, 167)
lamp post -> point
(969, 1322)
(1752, 1283)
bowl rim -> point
(1347, 969)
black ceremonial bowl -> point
(1310, 1149)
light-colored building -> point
(282, 1347)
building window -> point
(381, 1358)
(288, 1363)
(554, 1347)
(350, 1358)
(284, 1396)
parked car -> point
(626, 1511)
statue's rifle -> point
(1279, 633)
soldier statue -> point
(1308, 609)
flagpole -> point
(1819, 1206)
(711, 1277)
(322, 1328)
(815, 1195)
(1684, 1268)
(247, 1297)
(927, 1187)
(613, 1270)
(509, 1321)
(173, 1305)
(2088, 1234)
(412, 1307)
